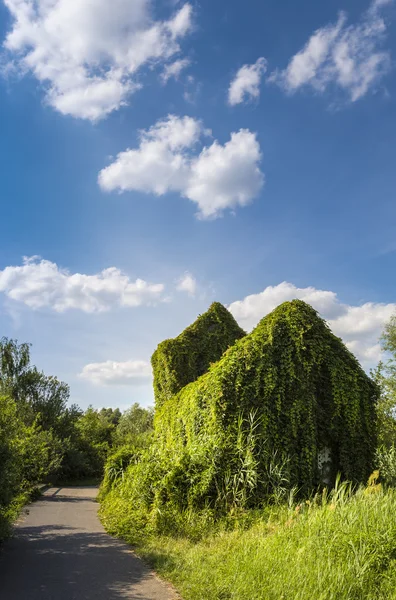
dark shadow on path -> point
(55, 562)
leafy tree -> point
(112, 415)
(386, 406)
(87, 448)
(34, 392)
(41, 436)
(95, 427)
(47, 397)
(134, 426)
(14, 367)
(10, 461)
(385, 377)
(41, 452)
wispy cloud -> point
(348, 57)
(174, 69)
(187, 283)
(246, 84)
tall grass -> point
(335, 546)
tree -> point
(386, 406)
(39, 398)
(14, 367)
(112, 415)
(10, 461)
(135, 426)
(385, 377)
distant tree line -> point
(45, 439)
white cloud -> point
(42, 284)
(219, 177)
(188, 284)
(87, 54)
(246, 84)
(359, 326)
(349, 57)
(174, 69)
(132, 372)
(379, 3)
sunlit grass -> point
(329, 548)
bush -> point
(386, 464)
(10, 463)
(180, 361)
(116, 465)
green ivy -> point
(250, 428)
(180, 361)
(307, 392)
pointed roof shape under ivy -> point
(179, 361)
(308, 394)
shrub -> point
(386, 464)
(116, 465)
(11, 474)
(180, 361)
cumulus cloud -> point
(174, 69)
(88, 54)
(217, 178)
(349, 57)
(359, 326)
(188, 284)
(40, 283)
(132, 372)
(246, 84)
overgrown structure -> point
(290, 392)
(179, 361)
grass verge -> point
(342, 548)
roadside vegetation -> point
(44, 439)
(229, 517)
(216, 494)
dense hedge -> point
(179, 361)
(299, 390)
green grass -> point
(337, 549)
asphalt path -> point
(60, 551)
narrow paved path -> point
(60, 551)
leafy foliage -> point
(385, 461)
(134, 427)
(10, 462)
(336, 547)
(41, 437)
(385, 378)
(180, 361)
(305, 388)
(250, 430)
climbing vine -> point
(279, 403)
(305, 387)
(180, 361)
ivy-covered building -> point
(291, 385)
(177, 362)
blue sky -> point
(261, 143)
